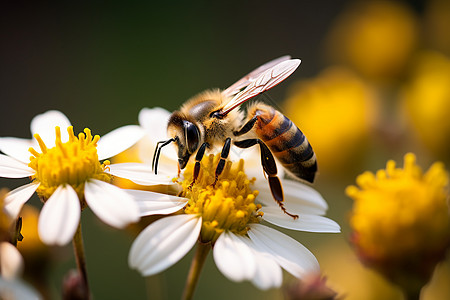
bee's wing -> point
(266, 80)
(250, 77)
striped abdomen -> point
(287, 143)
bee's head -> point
(186, 136)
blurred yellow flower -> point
(400, 221)
(334, 110)
(426, 99)
(31, 247)
(374, 37)
(5, 218)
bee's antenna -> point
(157, 153)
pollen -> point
(229, 205)
(401, 215)
(70, 163)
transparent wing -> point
(250, 77)
(266, 80)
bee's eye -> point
(192, 136)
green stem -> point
(80, 258)
(196, 267)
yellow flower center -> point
(227, 205)
(70, 163)
(400, 214)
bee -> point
(213, 118)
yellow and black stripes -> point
(287, 143)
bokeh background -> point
(374, 83)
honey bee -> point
(213, 118)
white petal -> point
(289, 254)
(118, 141)
(141, 174)
(11, 261)
(17, 148)
(154, 121)
(268, 273)
(299, 198)
(168, 158)
(305, 222)
(44, 124)
(251, 156)
(110, 203)
(234, 258)
(163, 243)
(12, 168)
(15, 199)
(151, 203)
(59, 217)
(16, 289)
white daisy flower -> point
(230, 217)
(68, 175)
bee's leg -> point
(198, 159)
(223, 156)
(247, 127)
(270, 168)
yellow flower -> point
(333, 110)
(426, 99)
(72, 163)
(375, 37)
(400, 220)
(5, 218)
(227, 206)
(31, 247)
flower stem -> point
(196, 267)
(80, 258)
